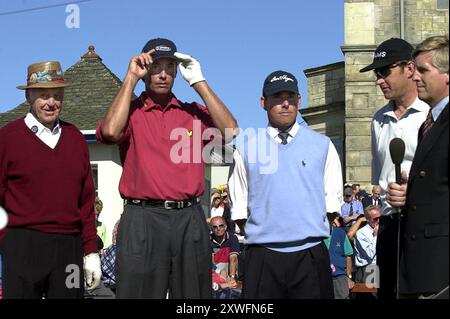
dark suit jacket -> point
(367, 201)
(424, 257)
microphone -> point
(3, 218)
(397, 150)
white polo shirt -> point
(385, 127)
(49, 137)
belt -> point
(167, 204)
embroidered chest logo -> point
(189, 133)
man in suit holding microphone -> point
(400, 118)
(424, 260)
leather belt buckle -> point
(169, 204)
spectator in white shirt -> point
(366, 243)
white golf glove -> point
(92, 270)
(189, 68)
(3, 218)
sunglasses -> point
(384, 72)
(218, 226)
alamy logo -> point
(282, 77)
(381, 54)
(162, 48)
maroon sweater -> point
(44, 189)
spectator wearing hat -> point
(424, 258)
(351, 209)
(48, 191)
(286, 221)
(163, 240)
(401, 117)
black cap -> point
(279, 81)
(389, 52)
(164, 48)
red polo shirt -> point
(161, 150)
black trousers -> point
(304, 274)
(39, 265)
(387, 256)
(161, 250)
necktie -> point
(283, 136)
(426, 126)
(351, 209)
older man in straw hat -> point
(47, 190)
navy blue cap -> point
(390, 52)
(164, 48)
(280, 81)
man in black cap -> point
(163, 240)
(286, 202)
(401, 117)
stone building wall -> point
(368, 23)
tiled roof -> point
(87, 101)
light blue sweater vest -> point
(286, 208)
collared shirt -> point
(385, 127)
(161, 149)
(365, 247)
(49, 137)
(437, 109)
(238, 181)
(352, 208)
(223, 250)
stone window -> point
(442, 4)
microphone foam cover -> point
(397, 150)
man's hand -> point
(375, 229)
(92, 270)
(396, 193)
(233, 283)
(351, 283)
(189, 68)
(139, 65)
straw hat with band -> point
(43, 75)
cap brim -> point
(272, 91)
(379, 64)
(45, 85)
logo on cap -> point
(163, 48)
(381, 54)
(282, 77)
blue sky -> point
(237, 42)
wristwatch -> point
(349, 276)
(234, 277)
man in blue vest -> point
(285, 207)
